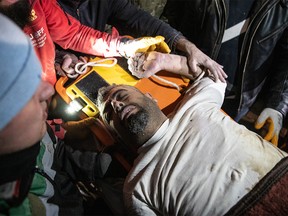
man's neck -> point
(139, 140)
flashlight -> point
(76, 105)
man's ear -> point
(150, 96)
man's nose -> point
(117, 105)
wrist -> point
(176, 64)
(185, 45)
(122, 47)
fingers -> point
(70, 63)
(274, 119)
(89, 121)
(135, 64)
(59, 70)
(81, 124)
(215, 74)
(274, 140)
(223, 76)
(212, 68)
(216, 71)
(260, 122)
(144, 65)
(275, 137)
(197, 58)
(270, 132)
(219, 72)
(67, 64)
(271, 135)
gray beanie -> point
(20, 70)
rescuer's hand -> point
(147, 64)
(274, 120)
(144, 44)
(79, 129)
(196, 58)
(65, 64)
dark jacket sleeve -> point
(126, 17)
(137, 22)
(80, 165)
(278, 94)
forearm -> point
(94, 42)
(172, 63)
(175, 64)
(68, 32)
(128, 19)
(184, 45)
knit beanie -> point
(20, 70)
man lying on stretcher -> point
(197, 161)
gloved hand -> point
(144, 44)
(274, 119)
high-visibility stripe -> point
(235, 30)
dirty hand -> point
(143, 44)
(67, 66)
(149, 63)
(274, 119)
(79, 129)
(196, 58)
(79, 135)
(144, 64)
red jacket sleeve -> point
(68, 32)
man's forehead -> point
(114, 88)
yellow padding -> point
(92, 82)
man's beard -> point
(19, 12)
(137, 123)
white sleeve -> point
(135, 206)
(207, 91)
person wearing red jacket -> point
(48, 24)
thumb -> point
(271, 129)
(193, 66)
(274, 140)
(261, 119)
(274, 119)
(150, 68)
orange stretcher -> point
(84, 90)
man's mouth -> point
(127, 111)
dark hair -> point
(102, 94)
(104, 91)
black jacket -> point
(264, 53)
(126, 17)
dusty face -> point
(29, 125)
(128, 111)
(17, 10)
